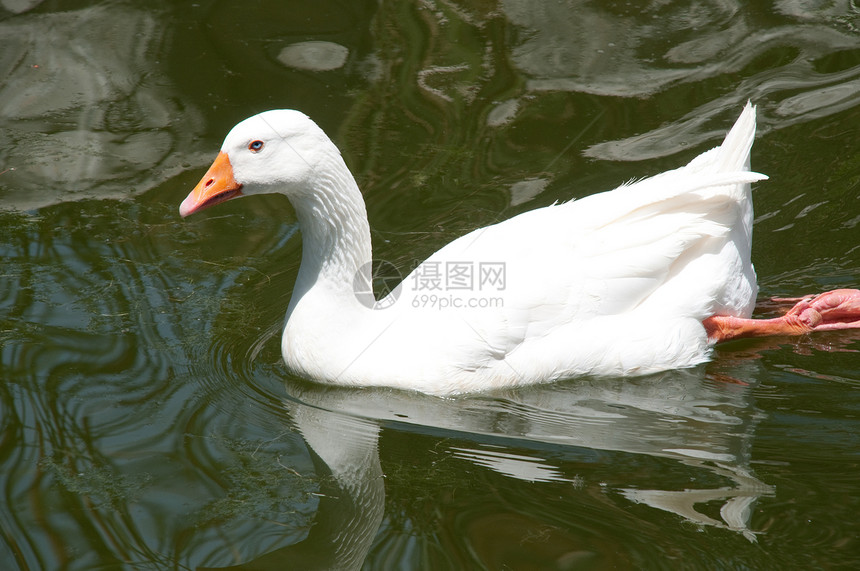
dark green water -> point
(147, 421)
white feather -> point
(617, 283)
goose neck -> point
(335, 232)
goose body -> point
(617, 283)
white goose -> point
(643, 278)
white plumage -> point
(617, 283)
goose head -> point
(278, 151)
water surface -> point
(147, 421)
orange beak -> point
(216, 186)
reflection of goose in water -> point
(351, 494)
(679, 416)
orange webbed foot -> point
(833, 310)
(837, 309)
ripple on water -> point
(142, 417)
(120, 413)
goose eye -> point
(255, 146)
